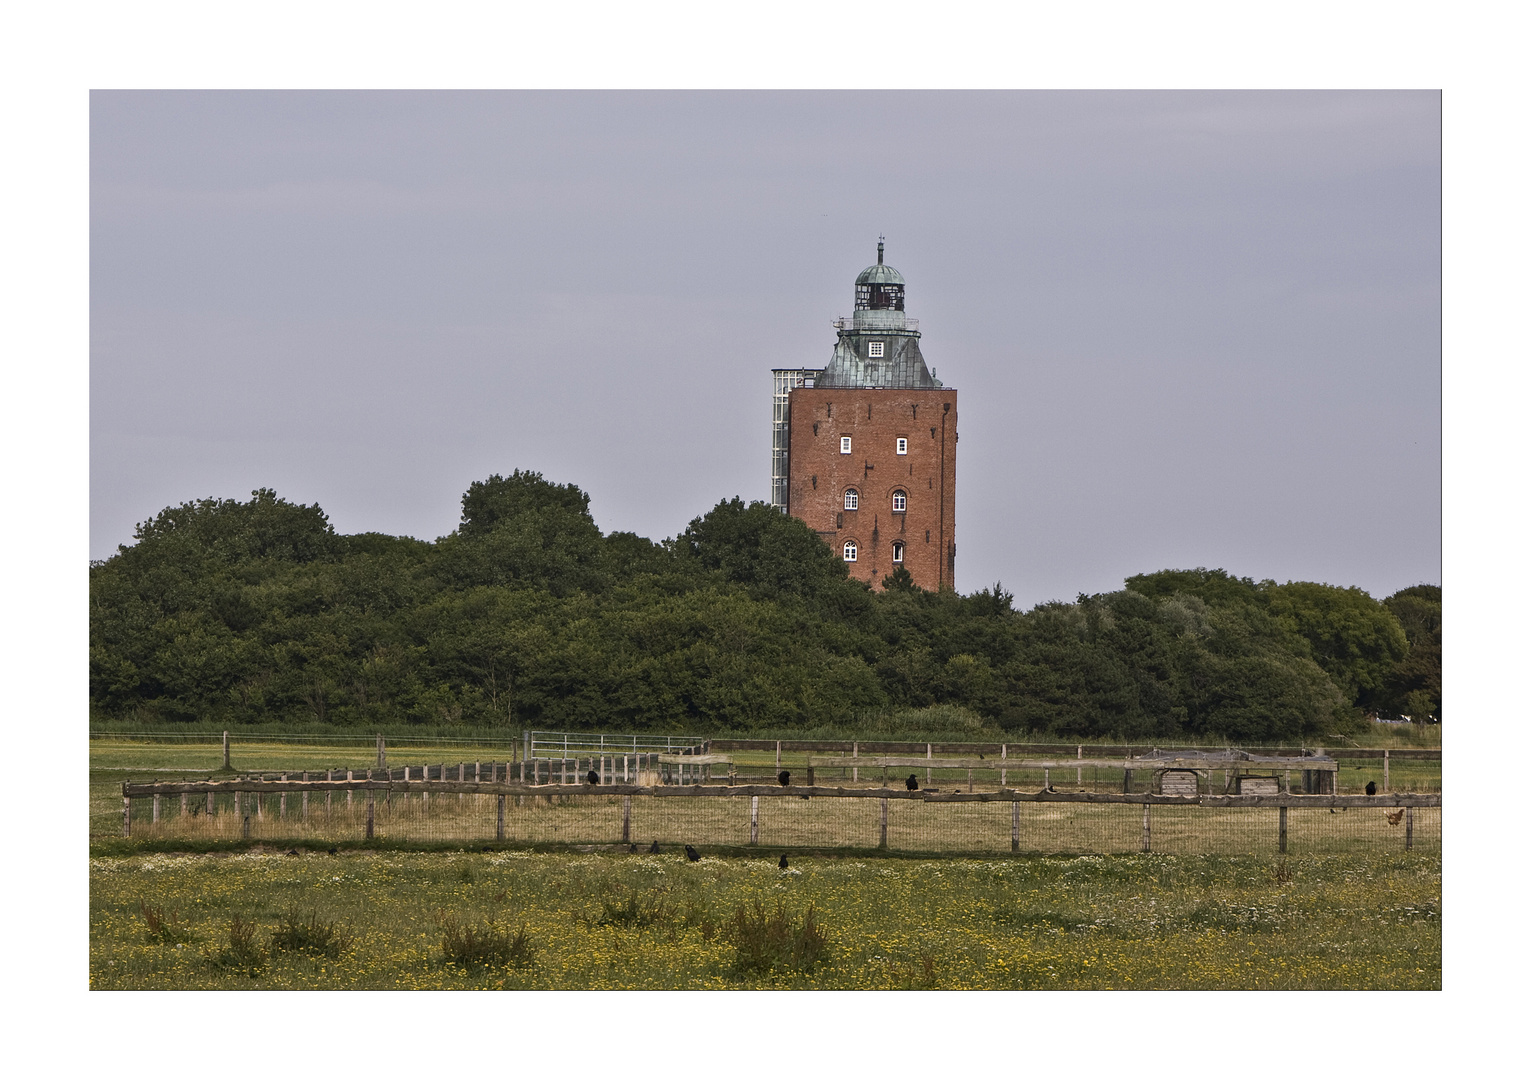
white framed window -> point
(901, 446)
(850, 551)
(874, 350)
(852, 498)
(899, 500)
(898, 551)
(845, 444)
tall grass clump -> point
(483, 946)
(635, 911)
(310, 935)
(164, 929)
(930, 720)
(775, 941)
(241, 952)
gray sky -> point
(1186, 328)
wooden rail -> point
(876, 746)
(1007, 763)
(131, 789)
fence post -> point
(127, 813)
(184, 799)
(211, 806)
(382, 752)
(1146, 832)
(1004, 754)
(778, 755)
(1384, 771)
(154, 812)
(371, 803)
(627, 819)
(754, 820)
(305, 802)
(1283, 830)
(1408, 828)
(882, 835)
(1079, 772)
(281, 810)
(499, 818)
(855, 752)
(225, 750)
(927, 768)
(1015, 825)
(350, 775)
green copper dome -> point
(880, 273)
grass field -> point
(659, 921)
(1364, 917)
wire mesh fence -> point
(741, 817)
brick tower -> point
(865, 450)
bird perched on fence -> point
(784, 777)
(913, 783)
(781, 864)
(691, 854)
(1371, 787)
(654, 848)
(592, 778)
(1395, 817)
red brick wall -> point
(819, 475)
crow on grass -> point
(292, 851)
(913, 783)
(781, 864)
(784, 778)
(654, 848)
(691, 854)
(332, 851)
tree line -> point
(527, 615)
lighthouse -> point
(864, 450)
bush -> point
(296, 934)
(770, 941)
(484, 946)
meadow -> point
(252, 916)
(604, 921)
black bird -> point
(691, 854)
(913, 783)
(1371, 787)
(654, 848)
(781, 864)
(293, 851)
(631, 848)
(592, 778)
(784, 777)
(332, 851)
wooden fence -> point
(249, 794)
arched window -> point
(851, 498)
(850, 551)
(898, 551)
(899, 500)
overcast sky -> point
(1186, 329)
